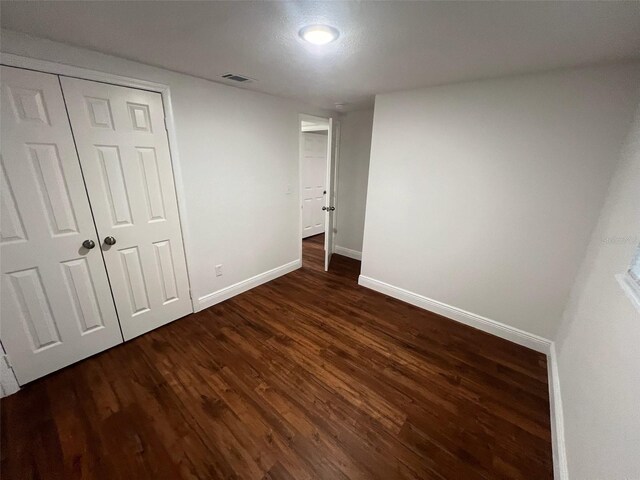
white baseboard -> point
(507, 332)
(529, 340)
(560, 469)
(347, 252)
(211, 299)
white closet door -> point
(56, 303)
(314, 175)
(122, 143)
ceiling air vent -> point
(237, 78)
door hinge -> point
(7, 361)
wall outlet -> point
(219, 270)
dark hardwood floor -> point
(307, 377)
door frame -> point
(44, 66)
(309, 118)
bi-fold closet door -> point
(88, 228)
(124, 153)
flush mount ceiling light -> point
(319, 34)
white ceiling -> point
(384, 45)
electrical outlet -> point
(219, 270)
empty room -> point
(314, 240)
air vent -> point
(237, 78)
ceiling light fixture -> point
(319, 34)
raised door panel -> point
(57, 307)
(112, 184)
(152, 184)
(33, 307)
(123, 149)
(46, 166)
(307, 186)
(164, 263)
(11, 223)
(82, 290)
(135, 281)
(307, 217)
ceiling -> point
(384, 45)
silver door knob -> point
(332, 208)
(109, 240)
(324, 208)
(88, 244)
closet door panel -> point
(57, 307)
(124, 153)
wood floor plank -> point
(309, 376)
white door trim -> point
(559, 447)
(336, 146)
(28, 63)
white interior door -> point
(122, 143)
(330, 198)
(56, 303)
(314, 176)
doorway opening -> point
(317, 162)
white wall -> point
(483, 195)
(598, 345)
(238, 154)
(353, 174)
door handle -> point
(329, 209)
(88, 244)
(109, 240)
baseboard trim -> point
(507, 332)
(347, 252)
(560, 469)
(223, 294)
(529, 340)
